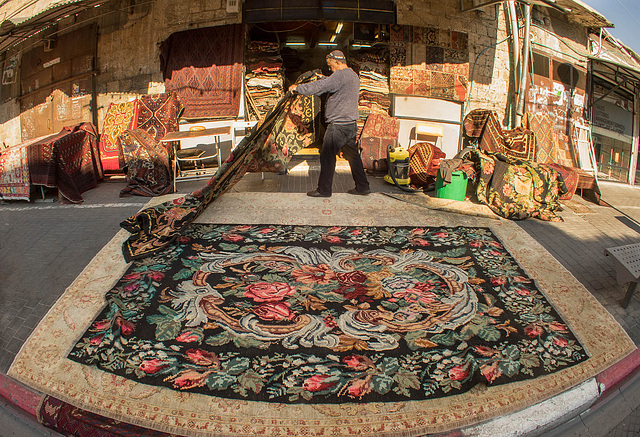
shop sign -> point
(611, 117)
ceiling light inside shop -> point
(328, 44)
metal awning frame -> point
(12, 34)
(620, 75)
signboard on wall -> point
(607, 115)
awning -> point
(616, 58)
(17, 29)
(575, 10)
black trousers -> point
(340, 137)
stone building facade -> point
(123, 60)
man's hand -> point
(293, 87)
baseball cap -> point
(337, 55)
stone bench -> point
(626, 261)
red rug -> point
(158, 114)
(378, 134)
(204, 67)
(73, 421)
(118, 119)
(146, 163)
(424, 161)
(68, 161)
(483, 124)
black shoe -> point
(359, 193)
(315, 193)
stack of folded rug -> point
(264, 76)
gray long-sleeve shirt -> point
(343, 87)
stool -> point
(430, 130)
(626, 261)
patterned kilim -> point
(483, 124)
(569, 177)
(378, 134)
(146, 163)
(284, 313)
(14, 173)
(156, 227)
(119, 118)
(542, 127)
(204, 67)
(68, 161)
(424, 161)
(158, 114)
(432, 82)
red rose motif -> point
(555, 326)
(317, 383)
(459, 373)
(355, 277)
(156, 276)
(188, 337)
(358, 362)
(189, 379)
(274, 311)
(131, 276)
(153, 366)
(269, 291)
(523, 291)
(232, 237)
(126, 327)
(203, 358)
(441, 234)
(97, 339)
(356, 232)
(491, 373)
(265, 231)
(101, 325)
(331, 239)
(130, 287)
(501, 280)
(359, 388)
(421, 242)
(475, 243)
(533, 330)
(561, 342)
(417, 231)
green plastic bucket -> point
(456, 190)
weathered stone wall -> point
(128, 46)
(130, 35)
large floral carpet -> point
(338, 317)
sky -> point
(625, 14)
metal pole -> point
(524, 65)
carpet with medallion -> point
(320, 316)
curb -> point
(531, 421)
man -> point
(341, 113)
